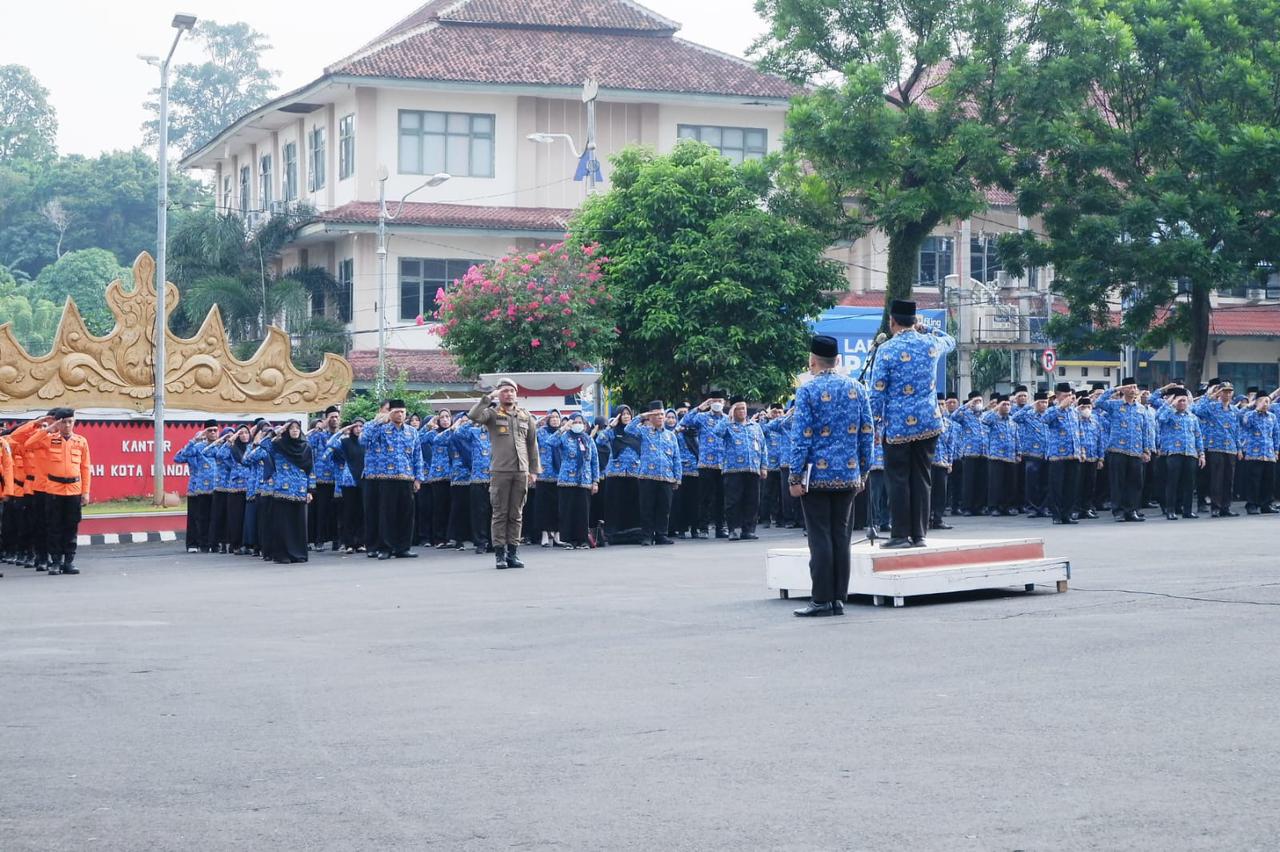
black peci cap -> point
(1177, 392)
(1020, 389)
(656, 405)
(737, 399)
(210, 423)
(1042, 395)
(395, 403)
(333, 409)
(824, 346)
(975, 395)
(1128, 380)
(1063, 387)
(902, 309)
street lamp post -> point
(182, 23)
(383, 217)
(590, 90)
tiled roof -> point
(617, 43)
(875, 299)
(421, 366)
(1245, 321)
(457, 216)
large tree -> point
(1158, 179)
(28, 124)
(710, 285)
(205, 97)
(84, 275)
(908, 122)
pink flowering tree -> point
(543, 310)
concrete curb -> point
(129, 538)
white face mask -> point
(577, 428)
(717, 407)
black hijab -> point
(353, 452)
(295, 450)
(238, 447)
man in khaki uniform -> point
(515, 465)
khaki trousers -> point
(507, 493)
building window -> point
(346, 146)
(937, 260)
(458, 143)
(315, 159)
(245, 176)
(291, 172)
(346, 288)
(1106, 372)
(264, 183)
(1245, 375)
(1062, 371)
(421, 278)
(984, 261)
(735, 143)
(1084, 371)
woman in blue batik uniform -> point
(435, 458)
(291, 492)
(577, 479)
(546, 495)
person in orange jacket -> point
(65, 472)
(37, 510)
(17, 514)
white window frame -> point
(418, 159)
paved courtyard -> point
(647, 699)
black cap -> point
(1253, 389)
(333, 409)
(1042, 395)
(824, 346)
(210, 423)
(1000, 398)
(995, 395)
(656, 405)
(737, 399)
(942, 397)
(1020, 389)
(975, 395)
(1128, 380)
(902, 308)
(1214, 381)
(953, 395)
(1144, 387)
(717, 393)
(396, 403)
(1062, 387)
(778, 406)
(1177, 392)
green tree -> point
(990, 367)
(1159, 175)
(28, 124)
(207, 96)
(709, 284)
(910, 124)
(84, 275)
(34, 320)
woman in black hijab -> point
(291, 493)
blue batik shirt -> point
(459, 456)
(972, 440)
(903, 385)
(579, 460)
(710, 445)
(1063, 434)
(743, 444)
(659, 453)
(831, 430)
(390, 452)
(289, 482)
(623, 461)
(1179, 433)
(1129, 428)
(481, 453)
(1091, 437)
(1031, 432)
(319, 442)
(773, 442)
(203, 470)
(549, 456)
(1220, 425)
(1258, 435)
(688, 457)
(342, 477)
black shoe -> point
(513, 560)
(40, 566)
(384, 556)
(721, 532)
(1010, 512)
(1214, 514)
(68, 568)
(918, 542)
(765, 525)
(837, 607)
(1133, 517)
(749, 536)
(1170, 516)
(816, 610)
(479, 550)
(373, 554)
(941, 525)
(733, 536)
(406, 554)
(500, 561)
(1190, 515)
(1227, 513)
(1091, 515)
(697, 534)
(896, 544)
(682, 535)
(662, 539)
(969, 513)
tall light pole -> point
(590, 90)
(380, 386)
(181, 23)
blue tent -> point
(855, 329)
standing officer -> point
(831, 438)
(1130, 441)
(394, 461)
(66, 459)
(1219, 422)
(1182, 447)
(903, 401)
(515, 465)
(323, 513)
(1063, 451)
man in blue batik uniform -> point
(903, 402)
(831, 437)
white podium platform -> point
(945, 565)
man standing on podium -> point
(903, 393)
(831, 434)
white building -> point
(458, 86)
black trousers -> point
(877, 492)
(266, 541)
(460, 513)
(395, 506)
(711, 495)
(217, 521)
(741, 500)
(1064, 477)
(440, 499)
(790, 505)
(655, 506)
(422, 516)
(324, 516)
(826, 517)
(1002, 485)
(353, 515)
(546, 508)
(1202, 482)
(1257, 479)
(233, 520)
(1125, 473)
(62, 522)
(907, 472)
(288, 530)
(771, 498)
(974, 484)
(687, 505)
(1179, 481)
(199, 507)
(481, 514)
(249, 531)
(1037, 485)
(938, 492)
(369, 495)
(574, 510)
(621, 503)
(1088, 481)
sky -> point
(84, 52)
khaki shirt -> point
(513, 436)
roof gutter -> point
(239, 124)
(315, 229)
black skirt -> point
(289, 529)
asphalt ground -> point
(652, 699)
